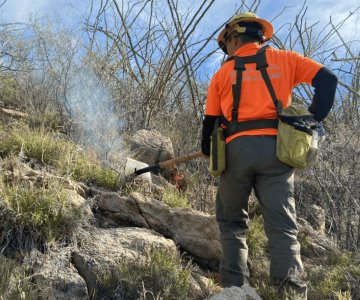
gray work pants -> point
(251, 163)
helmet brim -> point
(266, 25)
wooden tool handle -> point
(168, 163)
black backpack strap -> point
(236, 88)
(261, 64)
(234, 126)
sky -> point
(72, 13)
(72, 10)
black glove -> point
(207, 129)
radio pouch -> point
(217, 151)
(297, 137)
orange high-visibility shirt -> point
(286, 69)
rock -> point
(7, 115)
(314, 242)
(102, 249)
(202, 286)
(122, 210)
(195, 232)
(236, 293)
(56, 278)
(161, 183)
(80, 203)
(198, 234)
(151, 147)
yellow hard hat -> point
(233, 25)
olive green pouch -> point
(295, 136)
(217, 151)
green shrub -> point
(332, 282)
(46, 119)
(159, 275)
(175, 199)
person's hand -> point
(205, 146)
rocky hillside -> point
(73, 229)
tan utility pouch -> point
(296, 146)
(217, 151)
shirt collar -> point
(247, 49)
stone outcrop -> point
(16, 171)
(130, 226)
(102, 249)
(195, 232)
(314, 242)
(56, 278)
(150, 147)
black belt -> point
(234, 128)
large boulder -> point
(119, 210)
(195, 232)
(55, 277)
(314, 242)
(103, 249)
(151, 147)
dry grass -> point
(50, 149)
(161, 275)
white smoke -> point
(93, 111)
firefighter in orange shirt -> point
(245, 105)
